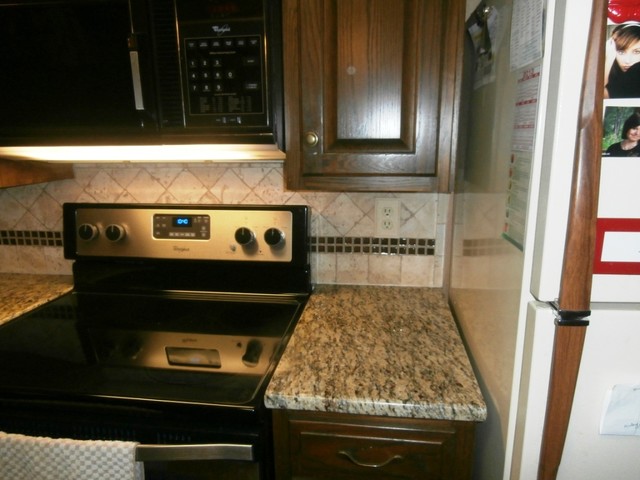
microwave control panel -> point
(223, 62)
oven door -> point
(175, 442)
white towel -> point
(41, 458)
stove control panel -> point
(198, 233)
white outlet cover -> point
(387, 225)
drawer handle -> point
(351, 457)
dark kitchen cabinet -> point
(14, 173)
(318, 445)
(371, 93)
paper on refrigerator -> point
(621, 412)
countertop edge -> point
(21, 293)
(438, 386)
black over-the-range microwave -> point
(140, 72)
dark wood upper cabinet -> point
(371, 93)
(18, 173)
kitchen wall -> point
(344, 247)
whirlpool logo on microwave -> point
(221, 29)
(179, 249)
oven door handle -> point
(214, 451)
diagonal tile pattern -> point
(344, 219)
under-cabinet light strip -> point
(145, 153)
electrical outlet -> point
(387, 217)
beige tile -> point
(11, 210)
(417, 270)
(46, 211)
(384, 270)
(230, 188)
(343, 214)
(323, 268)
(9, 259)
(187, 188)
(144, 188)
(103, 188)
(352, 269)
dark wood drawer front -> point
(348, 452)
(334, 446)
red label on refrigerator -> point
(617, 249)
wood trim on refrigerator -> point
(573, 306)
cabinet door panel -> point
(363, 93)
(365, 56)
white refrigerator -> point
(510, 210)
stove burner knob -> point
(274, 237)
(244, 236)
(251, 356)
(87, 232)
(114, 232)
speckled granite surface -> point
(20, 293)
(390, 351)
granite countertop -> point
(20, 293)
(389, 351)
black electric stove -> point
(178, 317)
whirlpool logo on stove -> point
(179, 249)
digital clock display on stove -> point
(186, 227)
(182, 222)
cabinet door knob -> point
(311, 138)
(352, 457)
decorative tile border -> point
(31, 238)
(374, 245)
(319, 244)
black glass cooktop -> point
(187, 348)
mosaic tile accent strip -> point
(321, 244)
(31, 238)
(374, 245)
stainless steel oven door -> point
(199, 462)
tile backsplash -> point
(345, 249)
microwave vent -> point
(167, 64)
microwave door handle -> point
(216, 451)
(135, 72)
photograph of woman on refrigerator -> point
(621, 132)
(622, 67)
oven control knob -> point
(274, 237)
(251, 357)
(87, 232)
(244, 236)
(114, 232)
(130, 348)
